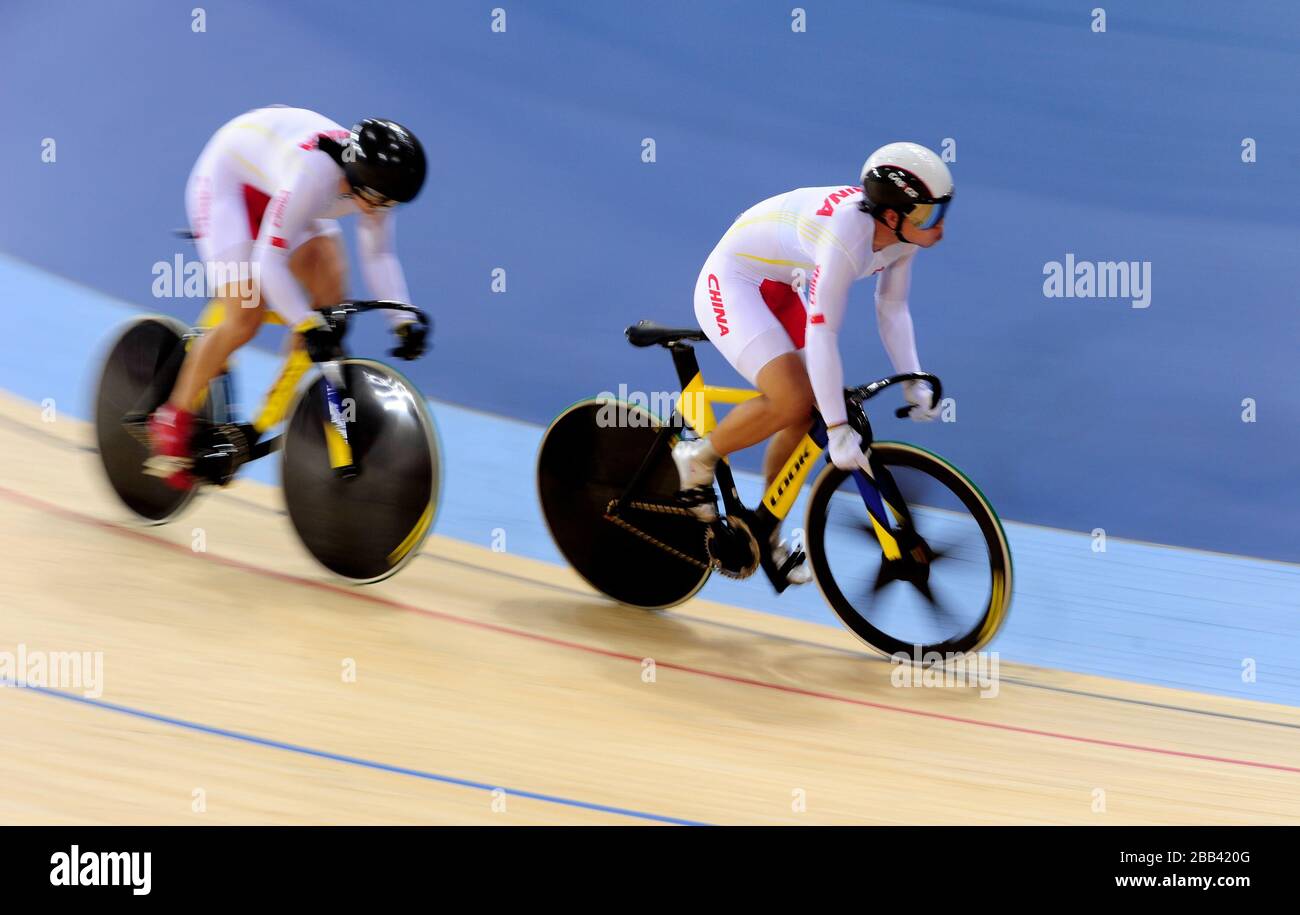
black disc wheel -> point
(363, 527)
(588, 458)
(138, 375)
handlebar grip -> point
(418, 314)
(902, 412)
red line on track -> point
(371, 598)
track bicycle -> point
(360, 464)
(911, 557)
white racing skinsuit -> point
(818, 239)
(261, 188)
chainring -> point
(742, 538)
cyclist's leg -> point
(737, 318)
(765, 354)
(782, 409)
(210, 352)
(782, 445)
(320, 264)
(787, 401)
(219, 219)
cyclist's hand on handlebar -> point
(320, 337)
(411, 337)
(921, 396)
(845, 447)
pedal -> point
(793, 561)
(163, 466)
(221, 450)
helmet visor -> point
(377, 200)
(928, 215)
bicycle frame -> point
(695, 406)
(275, 403)
(279, 397)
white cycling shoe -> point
(800, 574)
(695, 477)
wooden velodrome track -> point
(475, 671)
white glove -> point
(845, 446)
(921, 396)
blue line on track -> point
(350, 760)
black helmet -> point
(383, 159)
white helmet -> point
(908, 179)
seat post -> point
(685, 362)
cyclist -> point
(772, 297)
(262, 203)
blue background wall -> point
(1079, 413)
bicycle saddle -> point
(647, 333)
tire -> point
(366, 528)
(587, 458)
(144, 355)
(963, 512)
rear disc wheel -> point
(138, 375)
(587, 459)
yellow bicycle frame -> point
(280, 395)
(696, 406)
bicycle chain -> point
(672, 550)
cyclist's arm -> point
(291, 210)
(893, 316)
(827, 295)
(377, 249)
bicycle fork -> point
(879, 515)
(339, 408)
(780, 496)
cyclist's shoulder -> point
(830, 216)
(806, 202)
(828, 201)
(278, 124)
